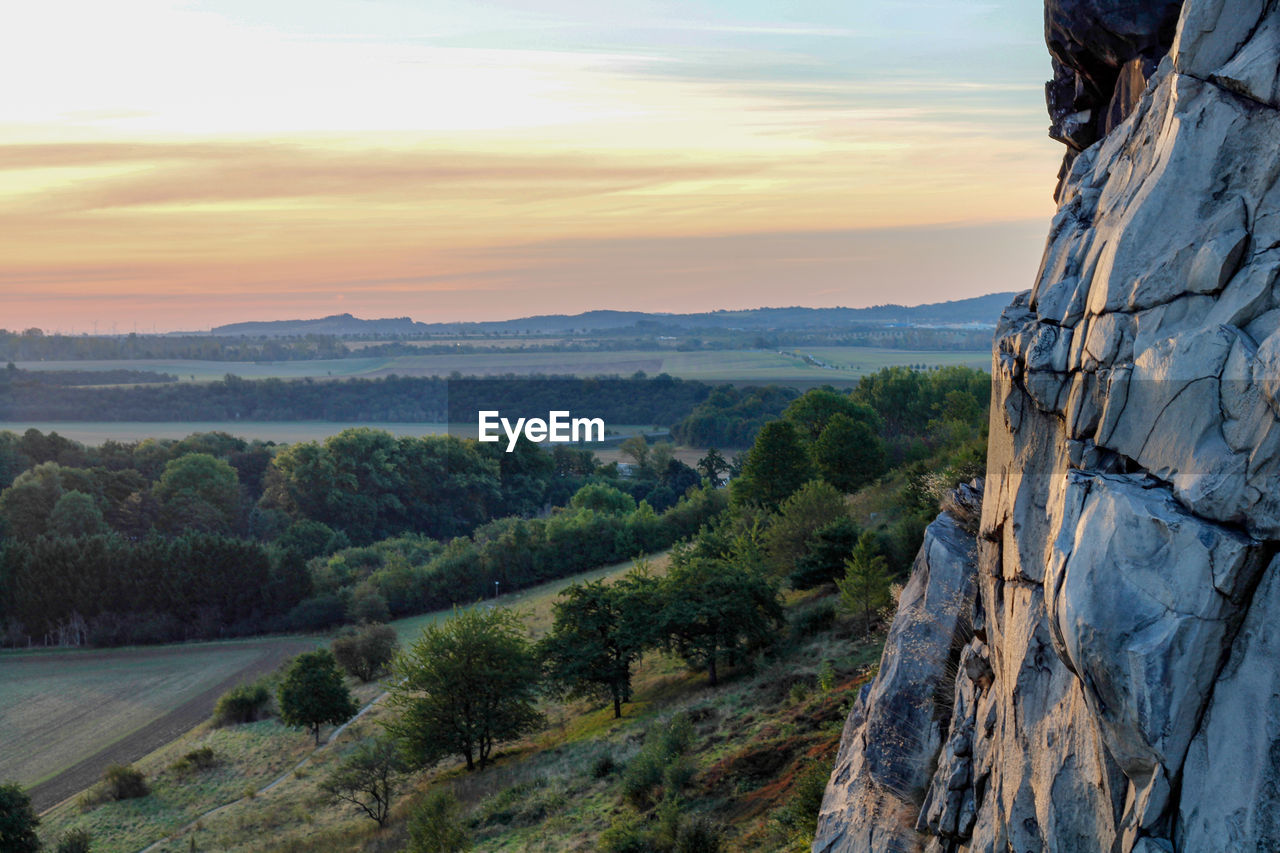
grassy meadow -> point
(763, 746)
(62, 707)
(844, 365)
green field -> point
(846, 364)
(59, 708)
(94, 433)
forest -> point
(213, 536)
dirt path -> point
(167, 728)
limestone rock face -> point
(1120, 689)
(884, 764)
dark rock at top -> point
(1103, 53)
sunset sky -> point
(177, 165)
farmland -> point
(94, 433)
(68, 714)
(843, 365)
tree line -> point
(181, 546)
(31, 395)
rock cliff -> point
(1098, 669)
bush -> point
(366, 606)
(124, 782)
(627, 835)
(196, 760)
(243, 703)
(318, 613)
(659, 762)
(366, 653)
(799, 817)
(436, 824)
(698, 836)
(18, 821)
(603, 766)
(813, 620)
(75, 841)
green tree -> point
(466, 685)
(366, 653)
(812, 412)
(18, 821)
(198, 493)
(714, 608)
(713, 466)
(602, 498)
(436, 825)
(367, 778)
(600, 631)
(848, 454)
(865, 586)
(813, 506)
(313, 693)
(825, 553)
(26, 505)
(637, 448)
(75, 515)
(775, 467)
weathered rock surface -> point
(1121, 690)
(891, 738)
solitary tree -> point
(313, 693)
(865, 586)
(465, 686)
(637, 448)
(599, 633)
(713, 465)
(367, 778)
(18, 821)
(715, 608)
(366, 653)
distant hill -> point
(980, 311)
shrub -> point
(436, 825)
(799, 817)
(318, 613)
(18, 820)
(124, 782)
(698, 836)
(366, 653)
(196, 760)
(366, 606)
(814, 620)
(243, 703)
(75, 841)
(626, 835)
(603, 766)
(659, 762)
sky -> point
(178, 164)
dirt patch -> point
(156, 734)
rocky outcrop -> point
(1121, 690)
(898, 725)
